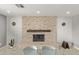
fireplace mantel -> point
(38, 30)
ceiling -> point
(45, 9)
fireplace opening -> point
(38, 38)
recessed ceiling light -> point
(8, 11)
(38, 12)
(68, 12)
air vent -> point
(19, 5)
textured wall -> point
(14, 31)
(39, 22)
(64, 32)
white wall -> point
(75, 28)
(3, 22)
(14, 31)
(64, 32)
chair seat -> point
(48, 51)
(30, 51)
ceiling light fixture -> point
(38, 12)
(68, 12)
(19, 5)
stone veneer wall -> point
(36, 23)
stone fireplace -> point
(39, 30)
